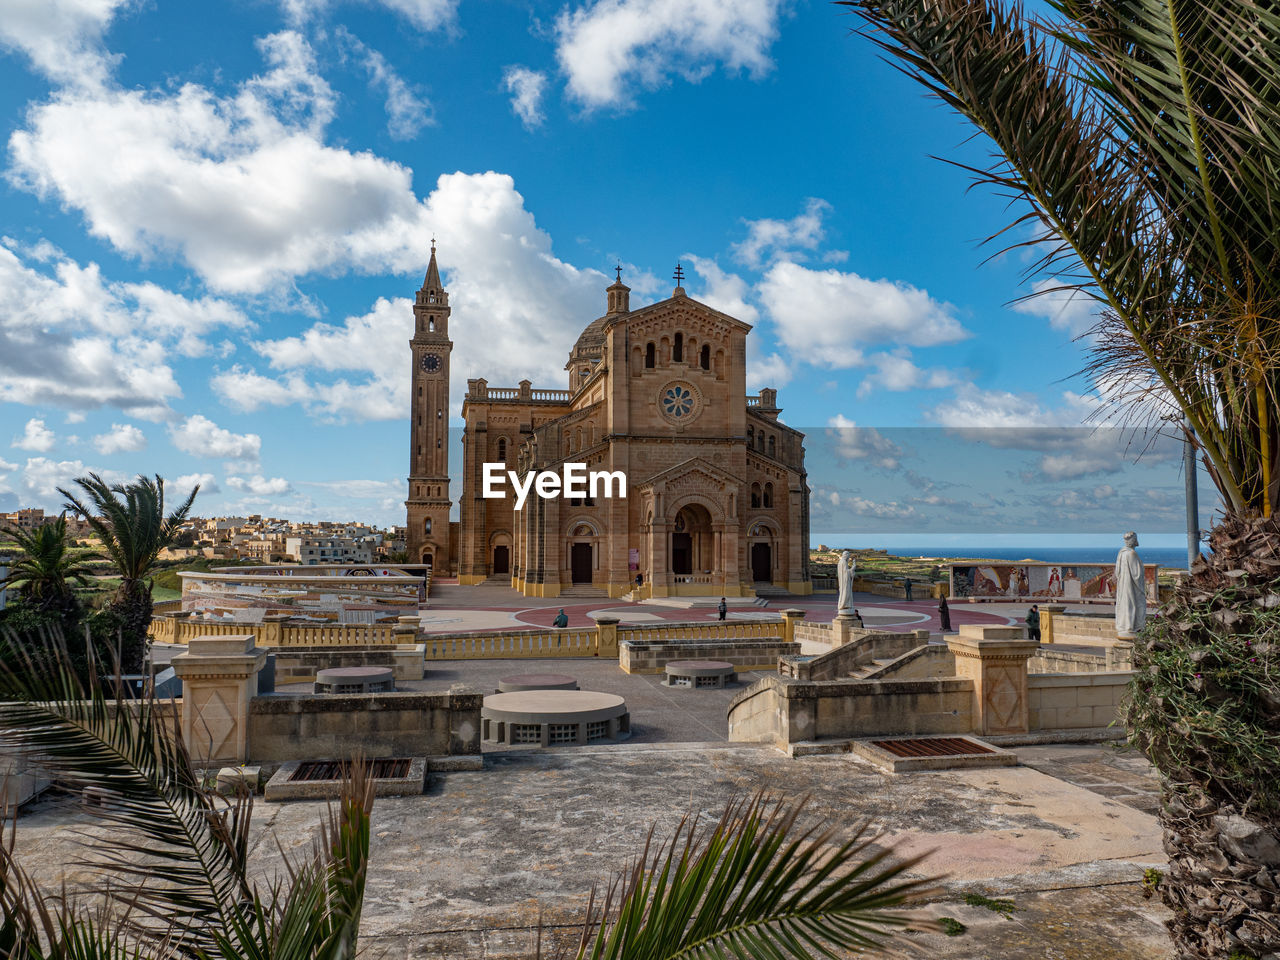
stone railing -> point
(600, 640)
(553, 396)
(704, 630)
(515, 644)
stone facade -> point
(717, 501)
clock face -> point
(430, 362)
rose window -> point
(677, 402)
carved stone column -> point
(219, 678)
(995, 659)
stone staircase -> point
(870, 671)
(584, 591)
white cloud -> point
(726, 292)
(75, 416)
(41, 478)
(74, 339)
(123, 438)
(895, 370)
(260, 486)
(62, 38)
(803, 232)
(825, 316)
(408, 109)
(868, 444)
(1068, 310)
(35, 436)
(242, 188)
(517, 309)
(526, 88)
(179, 489)
(423, 14)
(201, 437)
(6, 466)
(609, 48)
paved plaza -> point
(464, 870)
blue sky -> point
(214, 215)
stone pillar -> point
(1047, 612)
(606, 636)
(995, 659)
(219, 678)
(271, 633)
(790, 617)
(406, 629)
(842, 628)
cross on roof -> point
(679, 274)
(619, 269)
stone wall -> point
(1076, 701)
(783, 711)
(1079, 628)
(637, 656)
(284, 727)
(1049, 659)
(866, 646)
(919, 663)
(294, 664)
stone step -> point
(584, 590)
(869, 669)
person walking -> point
(944, 615)
(723, 608)
(1033, 623)
(561, 620)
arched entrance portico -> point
(692, 541)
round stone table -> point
(536, 681)
(355, 680)
(552, 718)
(700, 673)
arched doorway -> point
(426, 557)
(580, 562)
(692, 542)
(502, 559)
(761, 563)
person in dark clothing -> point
(857, 616)
(1033, 623)
(944, 614)
(561, 620)
(723, 608)
(908, 588)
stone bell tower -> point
(428, 504)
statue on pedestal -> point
(844, 580)
(1131, 590)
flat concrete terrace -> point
(659, 714)
(464, 870)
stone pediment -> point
(694, 474)
(688, 314)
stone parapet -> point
(219, 677)
(652, 657)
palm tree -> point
(130, 522)
(48, 568)
(179, 888)
(1140, 139)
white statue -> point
(844, 580)
(1131, 590)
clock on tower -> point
(428, 504)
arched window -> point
(768, 494)
(705, 360)
(755, 495)
(760, 442)
(677, 349)
(649, 351)
(426, 525)
(751, 436)
(502, 449)
(431, 324)
(773, 445)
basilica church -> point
(716, 504)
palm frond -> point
(753, 885)
(181, 852)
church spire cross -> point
(618, 268)
(679, 274)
